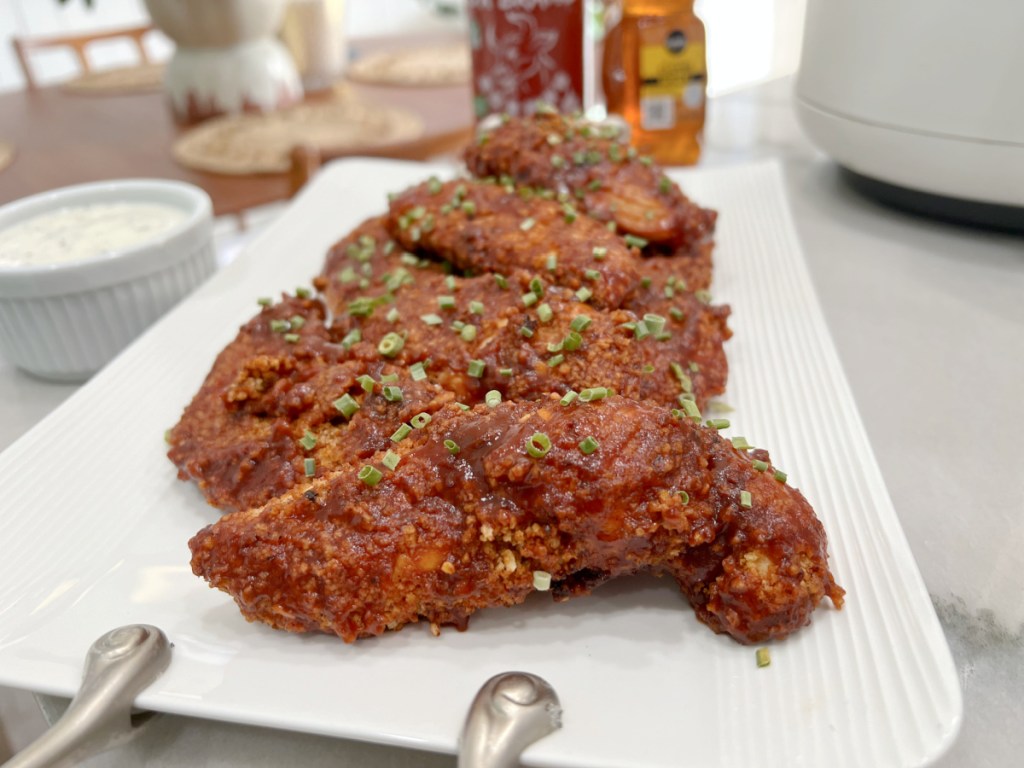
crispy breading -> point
(468, 516)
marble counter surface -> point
(928, 320)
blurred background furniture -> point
(78, 45)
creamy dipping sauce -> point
(81, 232)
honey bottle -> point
(655, 76)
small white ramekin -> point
(66, 321)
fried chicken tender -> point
(556, 152)
(488, 228)
(481, 501)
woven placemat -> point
(6, 154)
(144, 78)
(250, 144)
(425, 67)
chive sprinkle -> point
(584, 294)
(544, 313)
(684, 497)
(431, 319)
(541, 581)
(740, 443)
(388, 378)
(556, 360)
(600, 252)
(655, 323)
(580, 323)
(291, 338)
(781, 476)
(593, 393)
(401, 433)
(309, 467)
(366, 382)
(346, 405)
(527, 224)
(588, 445)
(718, 423)
(529, 298)
(501, 281)
(504, 371)
(537, 287)
(526, 331)
(392, 394)
(393, 315)
(303, 293)
(763, 657)
(591, 274)
(476, 307)
(370, 475)
(420, 420)
(759, 465)
(446, 302)
(492, 398)
(417, 371)
(538, 444)
(745, 500)
(452, 446)
(468, 332)
(635, 242)
(568, 397)
(690, 409)
(572, 341)
(280, 326)
(264, 301)
(391, 344)
(476, 368)
(308, 440)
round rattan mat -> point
(142, 78)
(428, 66)
(249, 144)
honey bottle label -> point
(673, 73)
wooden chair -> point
(78, 45)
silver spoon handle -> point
(510, 712)
(119, 665)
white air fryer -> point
(922, 101)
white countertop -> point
(928, 320)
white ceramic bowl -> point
(65, 321)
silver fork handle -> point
(119, 665)
(510, 712)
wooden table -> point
(62, 138)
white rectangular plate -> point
(96, 526)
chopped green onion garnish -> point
(600, 252)
(297, 321)
(556, 360)
(446, 302)
(551, 263)
(308, 440)
(451, 282)
(764, 658)
(592, 274)
(541, 581)
(557, 161)
(280, 326)
(452, 446)
(568, 397)
(544, 313)
(393, 315)
(718, 423)
(351, 338)
(572, 341)
(468, 332)
(388, 378)
(392, 394)
(264, 301)
(469, 207)
(537, 287)
(703, 296)
(492, 398)
(526, 331)
(391, 460)
(366, 382)
(370, 475)
(677, 314)
(420, 420)
(655, 323)
(291, 338)
(580, 323)
(529, 298)
(584, 294)
(781, 476)
(527, 224)
(391, 344)
(647, 368)
(309, 467)
(431, 319)
(645, 282)
(401, 433)
(745, 500)
(433, 185)
(303, 293)
(538, 445)
(759, 465)
(690, 409)
(476, 307)
(684, 497)
(664, 185)
(641, 331)
(740, 443)
(635, 242)
(346, 405)
(588, 445)
(593, 393)
(476, 368)
(501, 281)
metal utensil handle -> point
(118, 667)
(510, 712)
